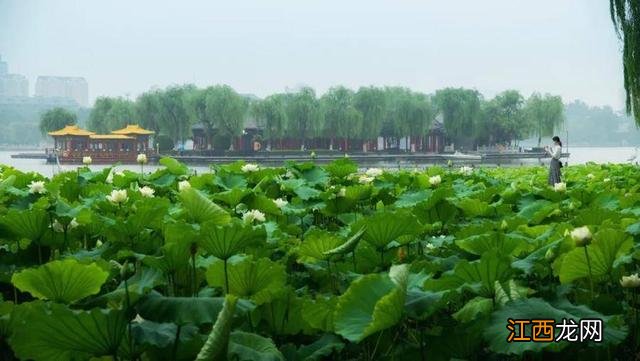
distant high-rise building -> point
(12, 85)
(75, 88)
(4, 68)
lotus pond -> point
(309, 262)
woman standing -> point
(555, 151)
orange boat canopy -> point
(133, 129)
(71, 130)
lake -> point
(579, 155)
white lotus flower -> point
(632, 281)
(581, 235)
(253, 215)
(374, 172)
(590, 176)
(435, 180)
(147, 191)
(118, 196)
(560, 187)
(86, 160)
(37, 187)
(119, 173)
(342, 192)
(182, 185)
(98, 243)
(57, 226)
(281, 203)
(365, 179)
(289, 174)
(466, 170)
(607, 180)
(73, 224)
(250, 167)
(141, 158)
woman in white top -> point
(555, 151)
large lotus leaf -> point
(65, 281)
(161, 335)
(284, 314)
(341, 168)
(218, 339)
(496, 332)
(230, 181)
(148, 215)
(314, 312)
(472, 207)
(535, 212)
(348, 246)
(528, 263)
(233, 196)
(607, 247)
(227, 240)
(316, 243)
(372, 303)
(258, 280)
(180, 310)
(53, 332)
(422, 304)
(505, 244)
(410, 199)
(481, 273)
(315, 176)
(474, 308)
(202, 209)
(385, 227)
(29, 224)
(136, 286)
(244, 346)
(173, 166)
(320, 349)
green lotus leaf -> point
(372, 303)
(385, 227)
(161, 335)
(202, 209)
(474, 308)
(29, 224)
(53, 332)
(479, 275)
(472, 207)
(320, 349)
(340, 168)
(348, 246)
(534, 308)
(315, 176)
(314, 312)
(218, 339)
(180, 310)
(505, 244)
(535, 212)
(245, 346)
(230, 239)
(316, 243)
(284, 314)
(233, 196)
(65, 281)
(173, 166)
(607, 247)
(410, 199)
(258, 280)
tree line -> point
(340, 114)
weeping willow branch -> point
(624, 14)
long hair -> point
(557, 139)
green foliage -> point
(55, 119)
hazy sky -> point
(565, 47)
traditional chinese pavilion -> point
(72, 143)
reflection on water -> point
(579, 155)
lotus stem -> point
(175, 342)
(226, 277)
(586, 253)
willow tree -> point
(111, 113)
(338, 114)
(56, 118)
(503, 119)
(172, 112)
(147, 109)
(625, 15)
(271, 115)
(372, 103)
(304, 116)
(227, 109)
(545, 114)
(461, 109)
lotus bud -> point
(86, 160)
(435, 180)
(550, 255)
(142, 158)
(581, 236)
(504, 225)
